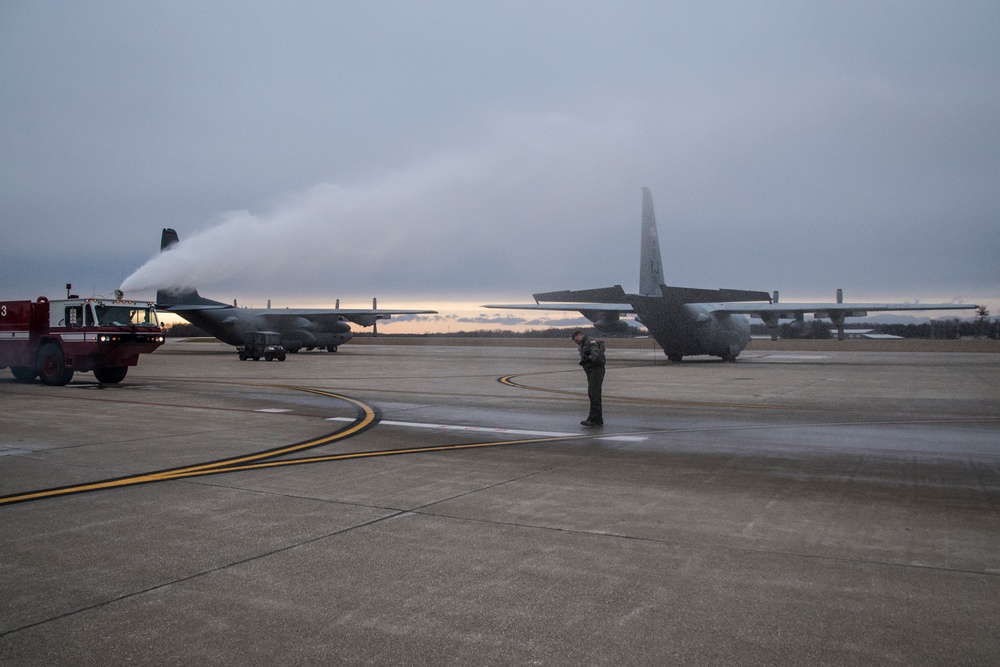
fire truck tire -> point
(24, 373)
(111, 375)
(52, 366)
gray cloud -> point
(314, 151)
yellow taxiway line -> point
(367, 418)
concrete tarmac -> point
(441, 505)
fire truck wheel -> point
(24, 373)
(111, 375)
(52, 366)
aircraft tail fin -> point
(650, 261)
(168, 238)
(184, 298)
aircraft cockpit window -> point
(144, 317)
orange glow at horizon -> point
(455, 316)
(452, 317)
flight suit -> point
(592, 359)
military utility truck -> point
(259, 344)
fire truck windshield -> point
(124, 316)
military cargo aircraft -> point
(687, 321)
(299, 327)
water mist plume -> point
(416, 220)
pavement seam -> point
(197, 575)
(721, 547)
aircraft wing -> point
(773, 311)
(366, 317)
(324, 316)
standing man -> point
(592, 359)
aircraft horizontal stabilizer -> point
(607, 299)
(702, 295)
(179, 307)
(613, 294)
(610, 307)
(185, 300)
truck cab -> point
(89, 313)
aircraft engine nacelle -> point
(719, 335)
(607, 321)
(331, 341)
(794, 328)
(365, 320)
(301, 324)
(305, 338)
(772, 320)
(838, 317)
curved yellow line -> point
(214, 467)
(333, 437)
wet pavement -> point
(432, 504)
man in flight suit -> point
(592, 359)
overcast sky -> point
(481, 151)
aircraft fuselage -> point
(232, 324)
(686, 329)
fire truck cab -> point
(52, 340)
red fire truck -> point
(52, 340)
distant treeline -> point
(949, 329)
(499, 333)
(186, 330)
